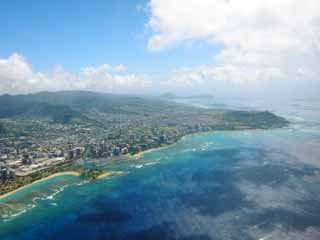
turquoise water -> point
(221, 185)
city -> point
(159, 120)
(34, 145)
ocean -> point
(259, 184)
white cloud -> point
(120, 68)
(262, 41)
(15, 67)
(17, 76)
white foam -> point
(266, 237)
(19, 213)
(33, 205)
(36, 198)
(188, 150)
(151, 163)
(82, 183)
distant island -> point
(46, 133)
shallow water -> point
(222, 185)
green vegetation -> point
(62, 107)
(90, 174)
(262, 120)
(23, 181)
(99, 110)
(45, 128)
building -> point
(116, 151)
(69, 154)
(124, 150)
(4, 174)
(76, 152)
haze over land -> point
(160, 119)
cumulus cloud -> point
(17, 76)
(261, 40)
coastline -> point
(110, 173)
(136, 156)
(73, 173)
(140, 154)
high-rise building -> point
(69, 154)
(76, 152)
(4, 174)
(116, 151)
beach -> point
(74, 173)
(139, 155)
(109, 173)
(101, 176)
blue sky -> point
(236, 47)
(77, 33)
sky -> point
(220, 47)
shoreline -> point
(110, 173)
(135, 157)
(139, 155)
(73, 173)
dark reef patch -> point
(107, 216)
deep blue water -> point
(222, 185)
